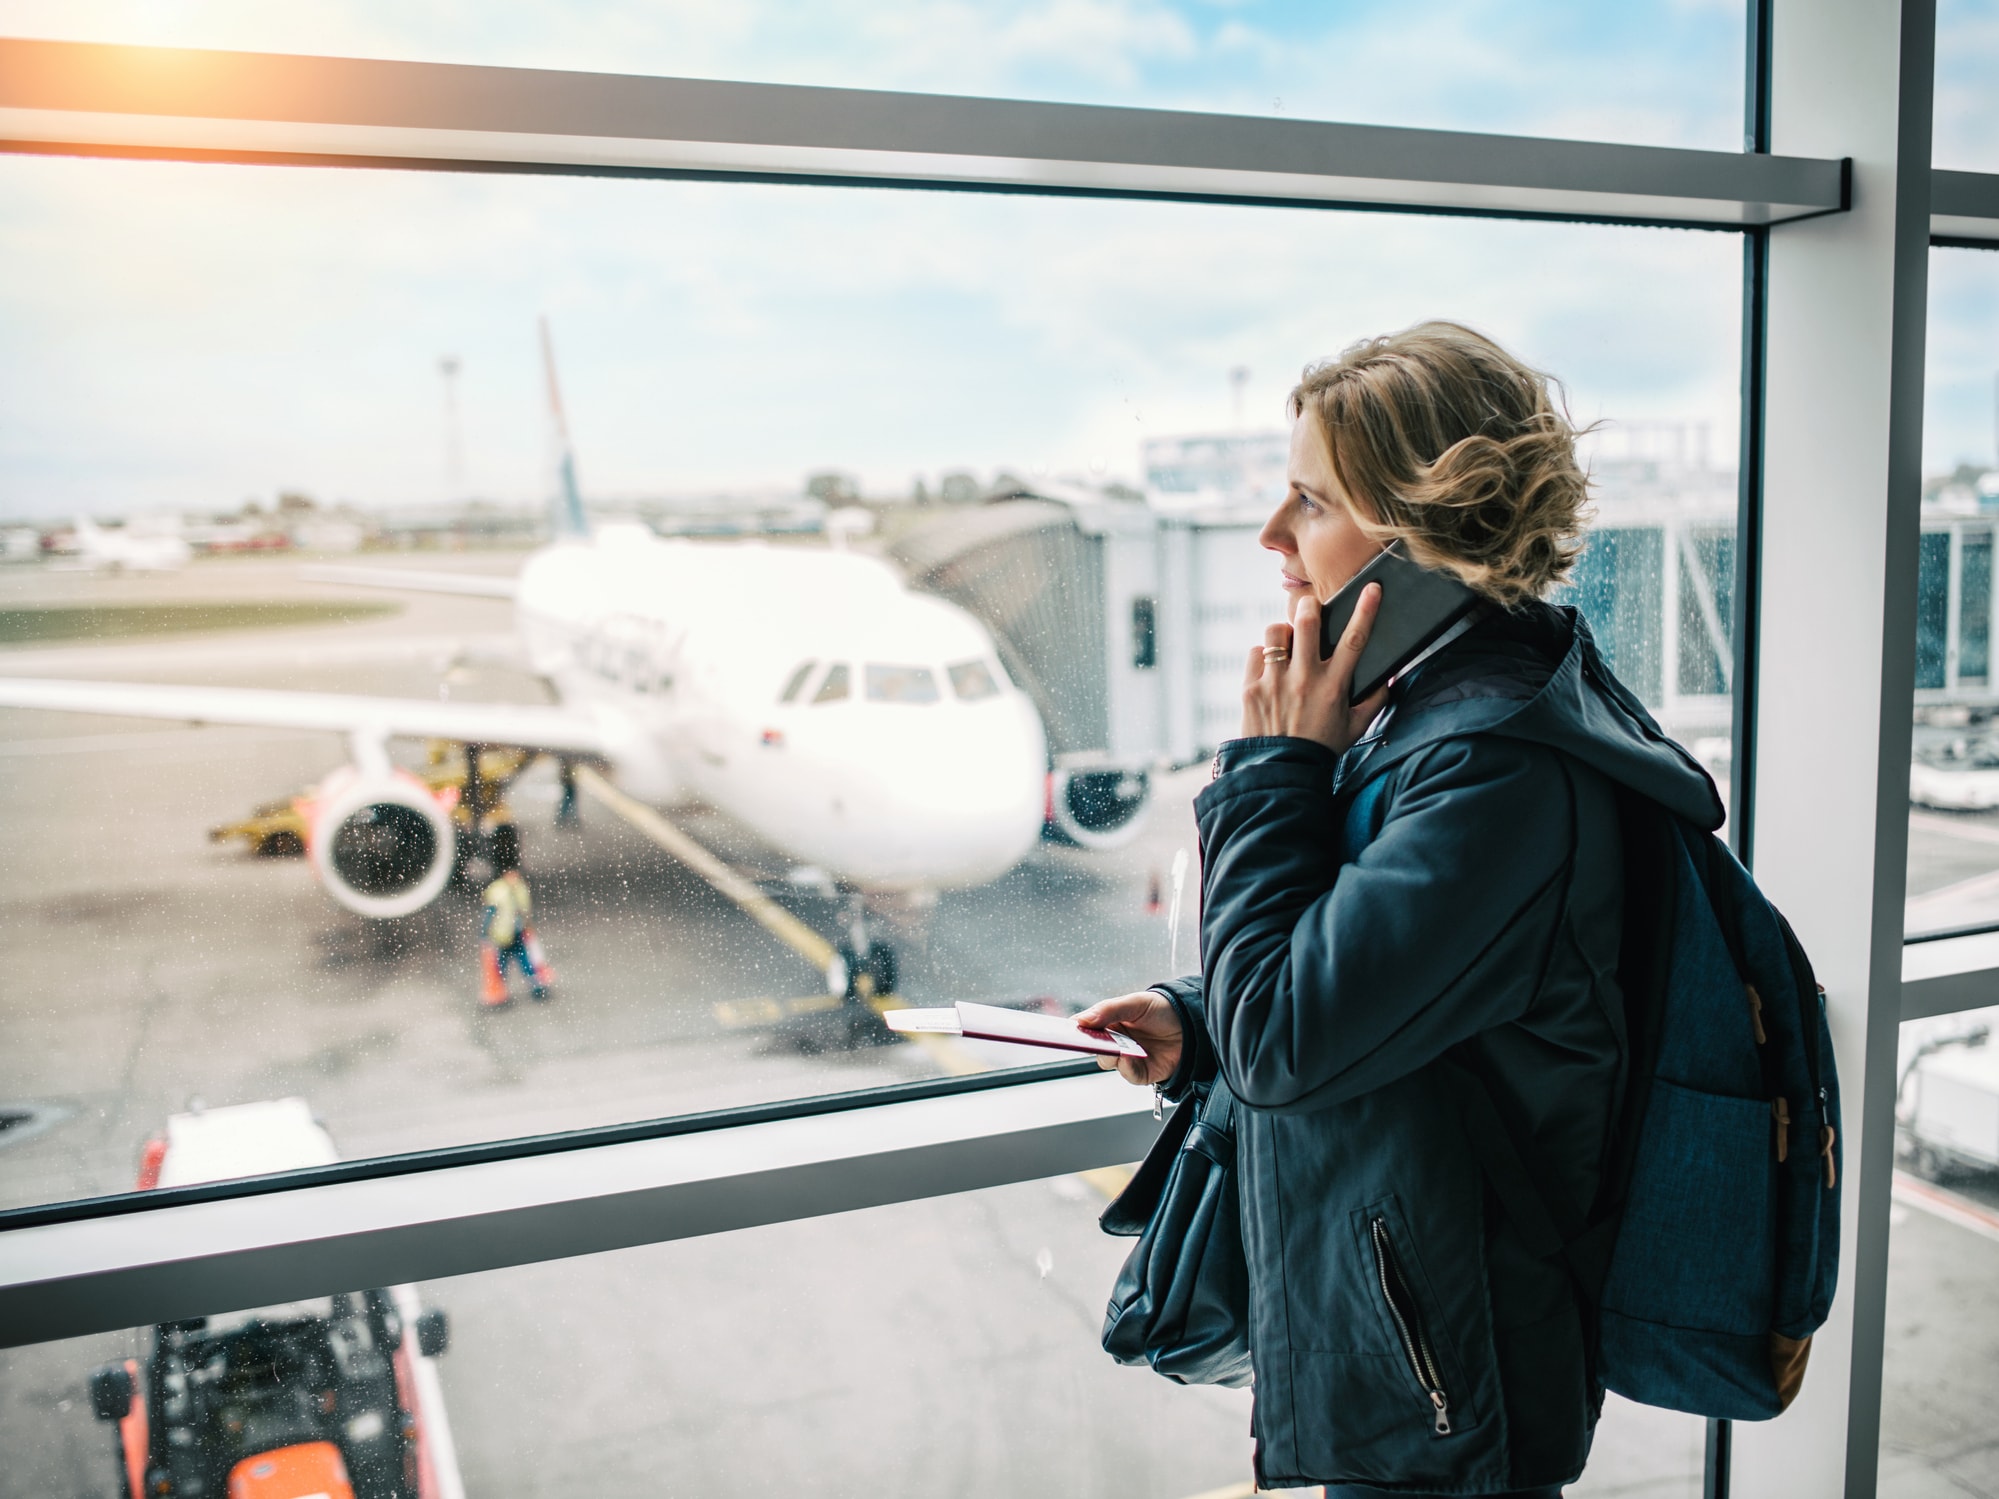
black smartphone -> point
(1417, 606)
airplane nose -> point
(971, 792)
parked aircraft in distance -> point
(99, 549)
(859, 728)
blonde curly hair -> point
(1461, 451)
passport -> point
(1021, 1027)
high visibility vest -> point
(507, 898)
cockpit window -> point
(797, 681)
(901, 684)
(972, 680)
(835, 687)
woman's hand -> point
(1289, 690)
(1150, 1021)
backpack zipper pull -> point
(1158, 1102)
(1443, 1404)
(1780, 1110)
(1756, 1013)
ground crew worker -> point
(506, 930)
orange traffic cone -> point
(495, 993)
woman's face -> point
(1313, 531)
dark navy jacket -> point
(1452, 885)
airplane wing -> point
(412, 580)
(522, 726)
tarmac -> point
(937, 1347)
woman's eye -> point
(1306, 504)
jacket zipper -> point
(1409, 1326)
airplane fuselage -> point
(853, 725)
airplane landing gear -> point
(864, 965)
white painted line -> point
(1951, 827)
(1938, 1203)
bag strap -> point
(1126, 1214)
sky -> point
(188, 336)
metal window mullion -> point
(82, 1275)
(84, 98)
(1841, 517)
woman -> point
(1410, 906)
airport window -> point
(796, 682)
(669, 994)
(681, 1357)
(321, 474)
(1953, 881)
(1943, 1325)
(972, 681)
(834, 688)
(1967, 116)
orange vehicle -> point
(333, 1397)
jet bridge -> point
(1127, 621)
(1126, 624)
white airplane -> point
(858, 728)
(126, 549)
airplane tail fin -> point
(566, 515)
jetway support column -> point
(1179, 642)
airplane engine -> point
(1095, 807)
(380, 843)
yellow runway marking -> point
(744, 1014)
(766, 912)
(949, 1055)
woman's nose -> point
(1275, 535)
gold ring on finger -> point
(1275, 653)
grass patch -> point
(115, 621)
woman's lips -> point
(1293, 583)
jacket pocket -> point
(1407, 1319)
(1422, 1357)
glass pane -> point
(1943, 1261)
(947, 1346)
(1954, 781)
(1967, 115)
(1932, 608)
(1658, 72)
(951, 392)
(1974, 608)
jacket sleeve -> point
(1197, 1055)
(1325, 981)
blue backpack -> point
(1712, 1251)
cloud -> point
(185, 335)
(1961, 409)
(1967, 109)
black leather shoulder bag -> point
(1181, 1302)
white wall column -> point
(1842, 481)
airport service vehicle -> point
(335, 1397)
(863, 731)
(1948, 1115)
(1960, 775)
